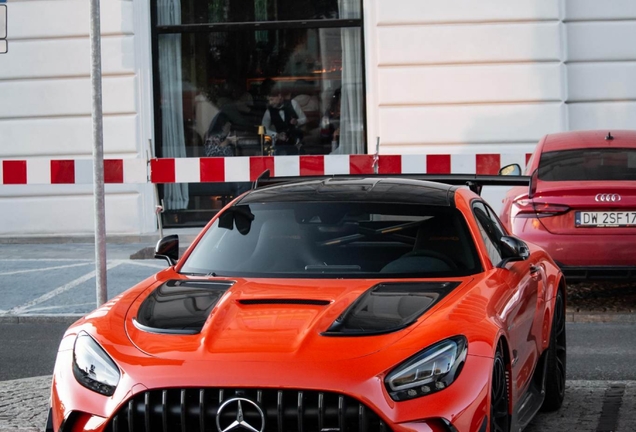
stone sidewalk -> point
(24, 404)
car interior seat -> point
(439, 246)
(282, 246)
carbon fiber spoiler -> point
(474, 181)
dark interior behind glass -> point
(327, 239)
(251, 78)
(588, 164)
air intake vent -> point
(389, 307)
(179, 307)
(284, 302)
(266, 410)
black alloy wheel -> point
(499, 396)
(557, 356)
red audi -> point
(581, 204)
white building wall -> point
(459, 76)
(45, 112)
(465, 77)
(443, 76)
(601, 64)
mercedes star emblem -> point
(240, 423)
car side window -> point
(490, 232)
(497, 225)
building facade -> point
(238, 78)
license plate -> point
(605, 219)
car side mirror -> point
(168, 248)
(510, 170)
(512, 249)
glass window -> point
(588, 164)
(254, 77)
(490, 231)
(327, 239)
(244, 11)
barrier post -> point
(98, 154)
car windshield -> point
(340, 240)
(588, 164)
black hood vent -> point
(274, 301)
(179, 307)
(389, 307)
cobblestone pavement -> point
(24, 404)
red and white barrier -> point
(242, 169)
(69, 171)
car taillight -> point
(531, 209)
(545, 209)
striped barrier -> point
(244, 168)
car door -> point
(517, 309)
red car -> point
(351, 305)
(581, 205)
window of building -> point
(254, 77)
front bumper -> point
(464, 404)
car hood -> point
(280, 319)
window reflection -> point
(303, 86)
(244, 90)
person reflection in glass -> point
(282, 120)
(221, 139)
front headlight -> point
(92, 367)
(429, 371)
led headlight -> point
(429, 371)
(92, 367)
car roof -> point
(589, 139)
(373, 189)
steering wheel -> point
(434, 254)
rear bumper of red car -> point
(599, 273)
(584, 256)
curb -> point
(40, 319)
(186, 235)
(600, 317)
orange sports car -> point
(330, 304)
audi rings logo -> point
(239, 423)
(603, 197)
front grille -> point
(197, 410)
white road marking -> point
(20, 309)
(48, 308)
(44, 269)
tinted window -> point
(491, 232)
(335, 240)
(588, 164)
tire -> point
(557, 356)
(499, 395)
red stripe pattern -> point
(247, 169)
(14, 172)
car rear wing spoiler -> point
(475, 182)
